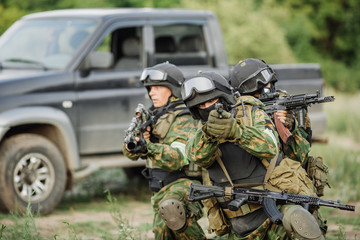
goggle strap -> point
(222, 87)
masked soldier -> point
(167, 167)
(253, 77)
(238, 146)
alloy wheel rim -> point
(34, 177)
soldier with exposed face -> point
(167, 167)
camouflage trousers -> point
(178, 189)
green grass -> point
(343, 115)
(342, 155)
(24, 226)
(344, 169)
(342, 152)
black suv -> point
(69, 86)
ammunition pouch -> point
(317, 172)
(290, 176)
(216, 217)
(159, 178)
(193, 171)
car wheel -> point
(32, 172)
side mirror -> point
(99, 60)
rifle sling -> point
(155, 117)
(269, 169)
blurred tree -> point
(9, 16)
(278, 31)
(330, 27)
(248, 30)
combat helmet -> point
(252, 75)
(163, 74)
(205, 87)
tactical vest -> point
(158, 177)
(242, 167)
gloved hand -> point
(287, 118)
(220, 127)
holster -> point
(159, 178)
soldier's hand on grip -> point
(220, 128)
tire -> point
(32, 171)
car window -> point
(125, 46)
(47, 43)
(180, 44)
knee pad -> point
(173, 213)
(300, 224)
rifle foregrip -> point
(272, 211)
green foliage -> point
(9, 16)
(326, 32)
(248, 30)
(342, 152)
(23, 227)
(350, 220)
(342, 119)
(278, 31)
(344, 170)
(125, 230)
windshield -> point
(43, 43)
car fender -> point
(44, 115)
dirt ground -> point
(95, 214)
(138, 213)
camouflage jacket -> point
(298, 147)
(258, 137)
(169, 152)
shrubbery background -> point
(278, 31)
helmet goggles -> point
(256, 80)
(153, 74)
(200, 85)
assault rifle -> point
(136, 129)
(280, 100)
(240, 196)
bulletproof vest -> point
(243, 168)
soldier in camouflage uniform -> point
(248, 79)
(167, 166)
(235, 146)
